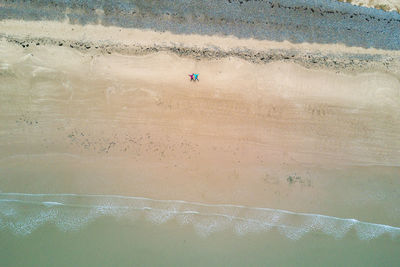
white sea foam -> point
(51, 203)
(23, 213)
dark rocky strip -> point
(322, 21)
(340, 62)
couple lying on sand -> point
(194, 77)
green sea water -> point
(111, 242)
(95, 230)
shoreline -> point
(220, 217)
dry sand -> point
(387, 5)
(288, 134)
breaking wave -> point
(23, 213)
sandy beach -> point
(234, 137)
(305, 127)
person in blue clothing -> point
(196, 77)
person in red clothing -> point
(191, 77)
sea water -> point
(95, 230)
